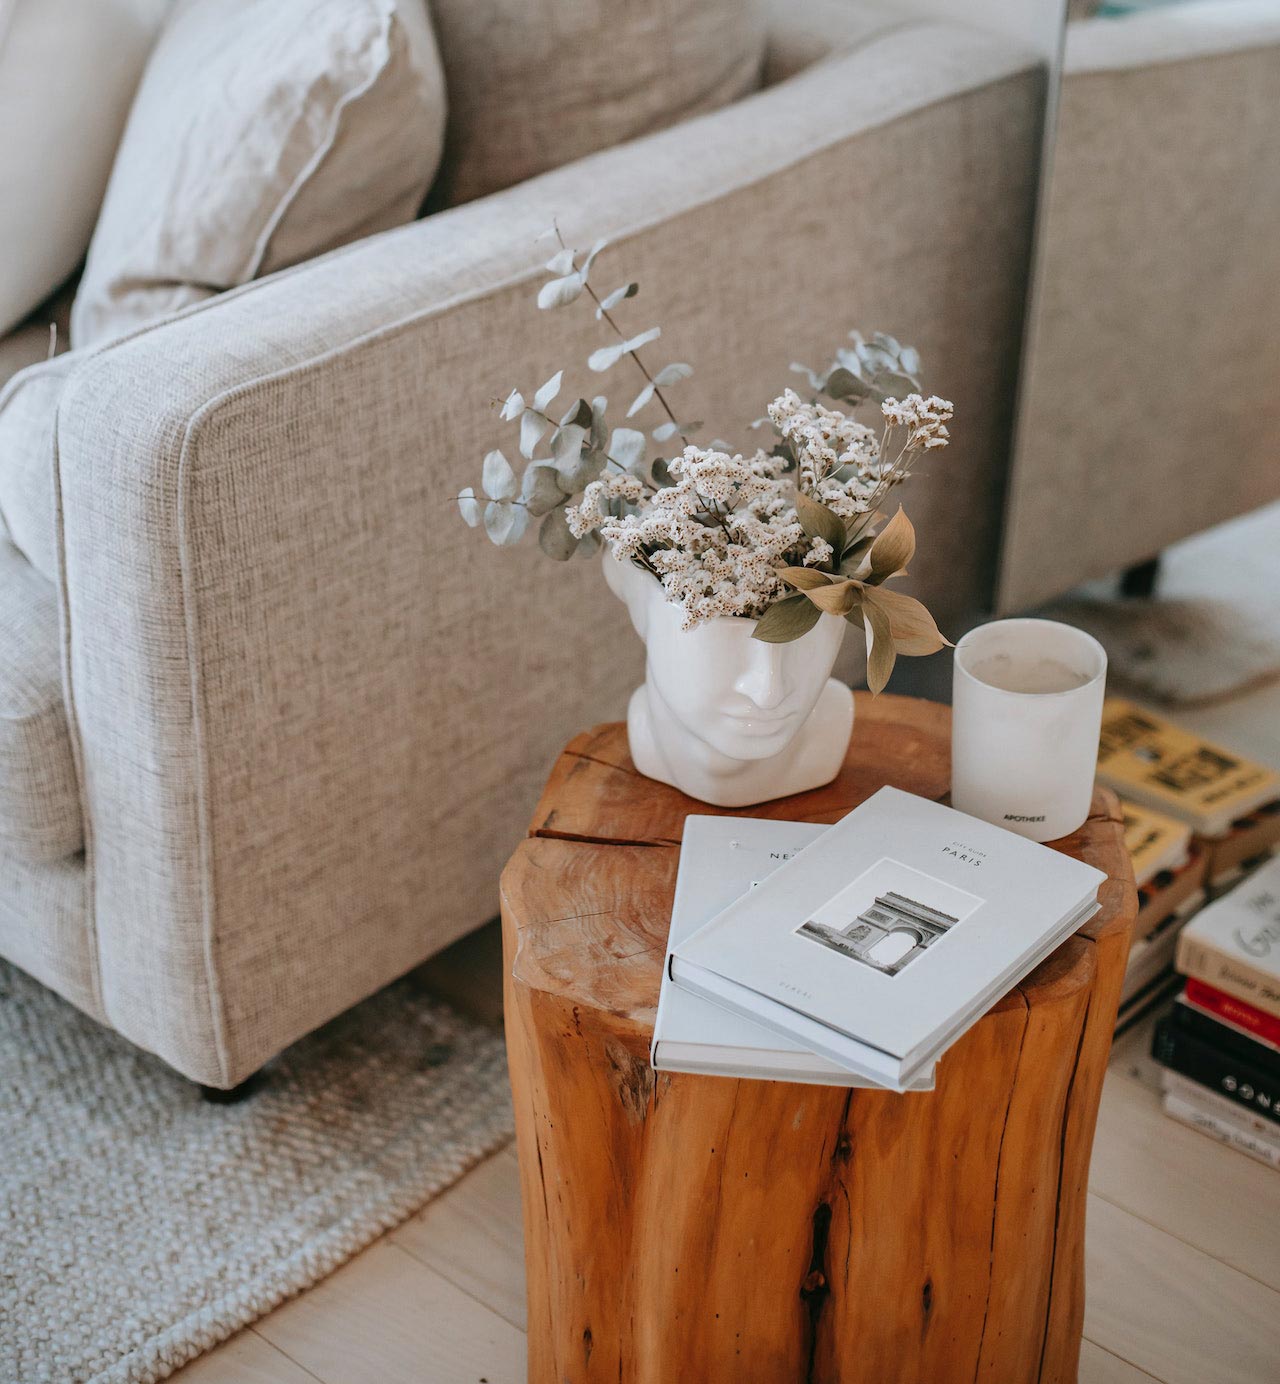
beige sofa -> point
(1150, 407)
(271, 717)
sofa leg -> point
(1140, 580)
(216, 1095)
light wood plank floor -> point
(1183, 1238)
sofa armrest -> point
(311, 708)
(1176, 33)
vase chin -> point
(812, 758)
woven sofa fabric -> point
(39, 801)
(1158, 303)
(28, 413)
(264, 132)
(315, 709)
(534, 84)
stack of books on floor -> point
(1220, 1043)
(854, 954)
(1198, 818)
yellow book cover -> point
(1157, 764)
(1154, 841)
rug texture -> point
(1209, 633)
(140, 1226)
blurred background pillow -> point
(264, 132)
(68, 71)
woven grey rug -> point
(140, 1226)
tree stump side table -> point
(689, 1229)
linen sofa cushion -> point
(264, 132)
(40, 817)
(28, 417)
(534, 84)
(68, 71)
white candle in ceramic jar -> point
(1026, 712)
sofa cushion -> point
(264, 133)
(40, 816)
(28, 416)
(536, 85)
(68, 71)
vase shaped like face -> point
(725, 717)
(743, 698)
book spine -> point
(1231, 974)
(1244, 1084)
(1217, 1002)
(1208, 1028)
(1188, 1113)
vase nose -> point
(762, 681)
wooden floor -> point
(1183, 1238)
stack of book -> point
(1231, 804)
(1220, 1044)
(853, 954)
(1198, 818)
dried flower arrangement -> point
(778, 536)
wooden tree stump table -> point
(691, 1229)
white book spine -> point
(1187, 1113)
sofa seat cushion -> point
(40, 817)
(28, 418)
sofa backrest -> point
(533, 84)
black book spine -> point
(1228, 1040)
(1220, 1071)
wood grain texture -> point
(692, 1227)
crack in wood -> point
(814, 1288)
(545, 833)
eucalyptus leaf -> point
(673, 373)
(577, 473)
(588, 545)
(469, 507)
(554, 537)
(787, 619)
(640, 400)
(845, 386)
(894, 547)
(634, 343)
(532, 427)
(580, 414)
(626, 447)
(819, 522)
(591, 258)
(661, 473)
(566, 446)
(540, 489)
(605, 357)
(497, 478)
(599, 428)
(611, 300)
(561, 262)
(558, 293)
(512, 406)
(505, 522)
(881, 654)
(545, 396)
(664, 431)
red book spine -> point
(1224, 1006)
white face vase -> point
(727, 718)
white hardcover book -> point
(1234, 944)
(1191, 1112)
(878, 945)
(722, 858)
(1185, 1089)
